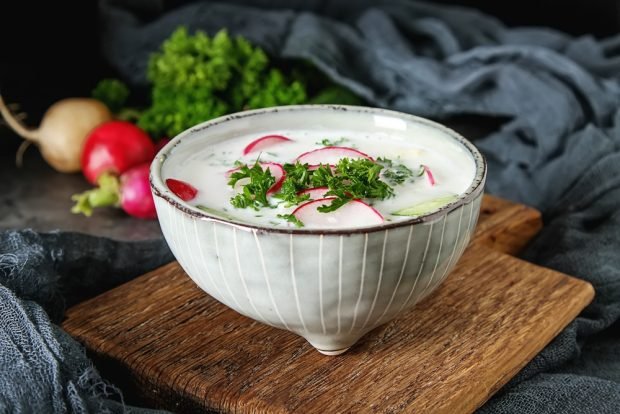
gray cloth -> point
(558, 150)
(42, 369)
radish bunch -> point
(116, 157)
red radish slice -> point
(355, 213)
(276, 170)
(429, 174)
(315, 193)
(264, 142)
(181, 189)
(331, 155)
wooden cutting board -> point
(162, 338)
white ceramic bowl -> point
(329, 286)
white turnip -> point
(63, 130)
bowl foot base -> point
(333, 353)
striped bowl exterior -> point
(329, 288)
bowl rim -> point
(159, 189)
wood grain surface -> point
(180, 349)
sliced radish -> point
(429, 174)
(355, 213)
(331, 155)
(276, 170)
(315, 193)
(264, 142)
(181, 189)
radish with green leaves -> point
(116, 158)
(131, 192)
(114, 147)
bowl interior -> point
(398, 126)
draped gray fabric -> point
(558, 150)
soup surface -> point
(418, 173)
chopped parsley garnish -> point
(254, 193)
(396, 173)
(297, 179)
(335, 143)
(291, 219)
(350, 179)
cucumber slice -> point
(426, 206)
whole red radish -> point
(114, 147)
(136, 197)
(131, 192)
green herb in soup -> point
(254, 193)
(332, 143)
(349, 179)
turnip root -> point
(63, 130)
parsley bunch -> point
(199, 77)
(111, 92)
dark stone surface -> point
(37, 197)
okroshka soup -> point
(339, 172)
(326, 221)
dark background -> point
(50, 50)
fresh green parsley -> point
(396, 173)
(352, 179)
(349, 179)
(291, 219)
(297, 179)
(335, 143)
(254, 193)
